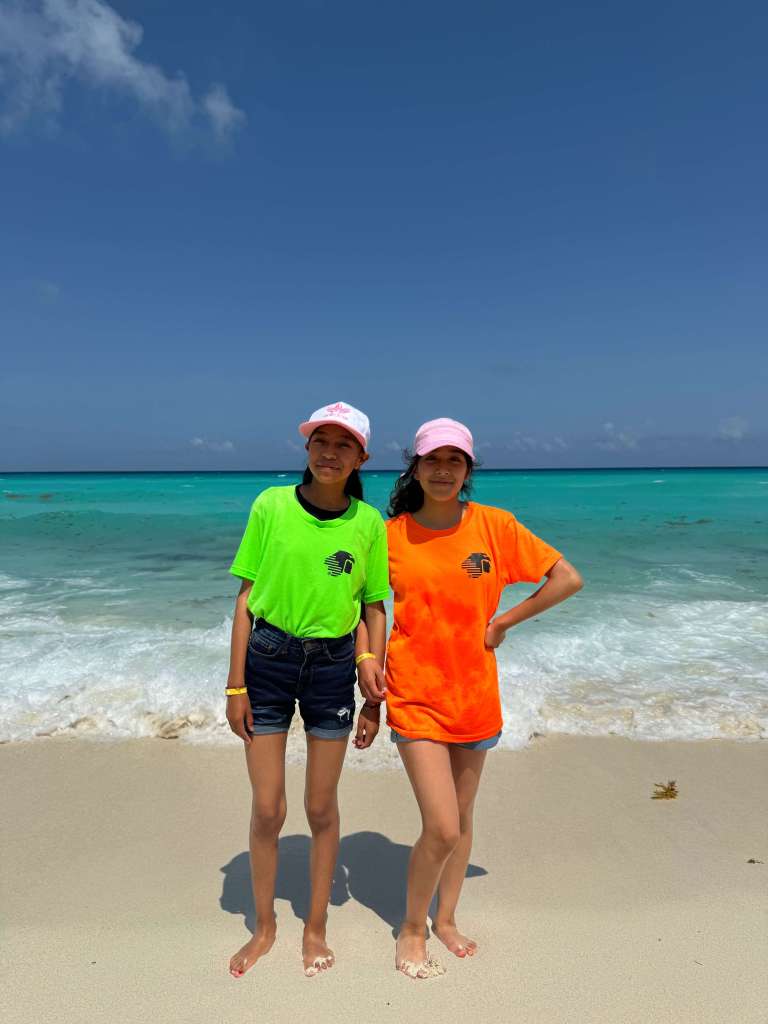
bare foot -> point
(411, 955)
(314, 951)
(258, 946)
(452, 939)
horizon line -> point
(399, 469)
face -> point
(442, 473)
(333, 454)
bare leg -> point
(265, 757)
(324, 761)
(467, 767)
(429, 770)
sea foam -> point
(680, 670)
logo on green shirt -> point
(339, 562)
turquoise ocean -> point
(115, 603)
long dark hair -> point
(353, 487)
(407, 494)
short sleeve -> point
(526, 558)
(248, 557)
(377, 569)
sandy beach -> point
(126, 888)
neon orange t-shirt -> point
(442, 682)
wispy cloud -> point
(393, 446)
(294, 447)
(212, 446)
(616, 440)
(222, 113)
(520, 442)
(734, 428)
(47, 291)
(46, 43)
(523, 443)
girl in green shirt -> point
(308, 558)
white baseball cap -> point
(343, 415)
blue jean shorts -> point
(486, 744)
(281, 669)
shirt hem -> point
(243, 574)
(445, 737)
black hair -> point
(407, 494)
(353, 486)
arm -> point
(562, 582)
(371, 636)
(238, 706)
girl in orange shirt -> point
(449, 560)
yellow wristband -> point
(363, 657)
(235, 691)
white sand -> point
(594, 903)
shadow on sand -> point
(370, 869)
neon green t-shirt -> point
(310, 575)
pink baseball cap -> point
(343, 415)
(436, 433)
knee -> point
(267, 819)
(442, 837)
(321, 815)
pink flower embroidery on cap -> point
(336, 409)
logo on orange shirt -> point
(476, 564)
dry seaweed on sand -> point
(664, 790)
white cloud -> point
(47, 291)
(212, 446)
(526, 443)
(46, 43)
(294, 447)
(223, 114)
(522, 443)
(482, 446)
(393, 446)
(616, 440)
(734, 428)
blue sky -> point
(546, 220)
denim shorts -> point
(281, 669)
(486, 744)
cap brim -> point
(444, 441)
(307, 428)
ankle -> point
(267, 923)
(408, 928)
(315, 927)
